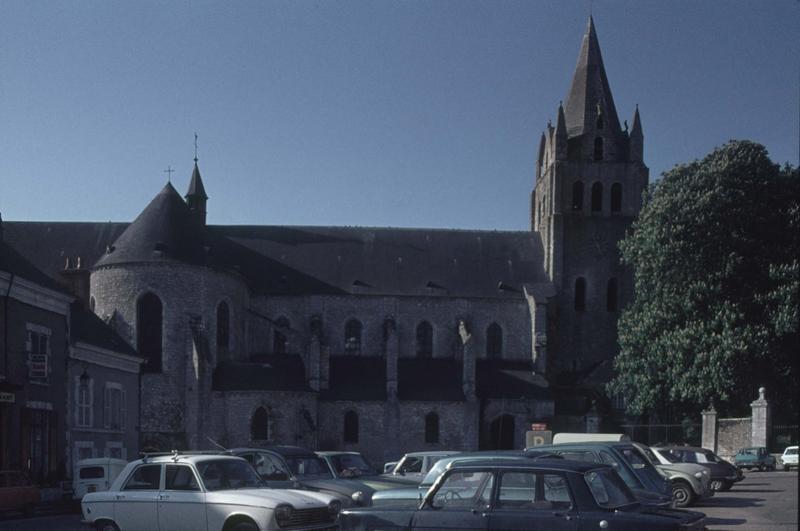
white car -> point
(789, 458)
(196, 492)
(416, 464)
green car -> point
(756, 457)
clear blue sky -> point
(380, 113)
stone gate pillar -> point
(709, 435)
(761, 420)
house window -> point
(223, 325)
(424, 340)
(84, 398)
(616, 197)
(351, 427)
(114, 407)
(580, 294)
(611, 295)
(494, 341)
(149, 328)
(577, 195)
(352, 335)
(37, 345)
(431, 428)
(279, 341)
(260, 425)
(597, 197)
(598, 148)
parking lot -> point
(763, 501)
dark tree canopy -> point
(715, 256)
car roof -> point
(329, 453)
(681, 447)
(587, 444)
(566, 465)
(433, 453)
(286, 450)
(186, 458)
(94, 461)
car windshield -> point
(711, 457)
(435, 471)
(227, 474)
(350, 465)
(305, 466)
(749, 451)
(646, 472)
(790, 451)
(409, 464)
(669, 456)
(608, 489)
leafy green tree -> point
(715, 316)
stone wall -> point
(732, 435)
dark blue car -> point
(530, 495)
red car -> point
(17, 493)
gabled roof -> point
(589, 88)
(86, 327)
(13, 262)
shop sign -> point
(7, 397)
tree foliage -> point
(715, 316)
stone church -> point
(381, 340)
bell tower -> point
(589, 182)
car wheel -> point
(682, 494)
(716, 485)
(106, 526)
(726, 485)
(244, 526)
(761, 468)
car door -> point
(181, 504)
(533, 501)
(461, 502)
(135, 505)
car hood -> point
(270, 498)
(652, 499)
(678, 516)
(346, 487)
(394, 496)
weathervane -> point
(169, 171)
(195, 146)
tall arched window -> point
(280, 342)
(351, 427)
(352, 335)
(597, 197)
(612, 295)
(431, 428)
(580, 294)
(616, 197)
(260, 425)
(577, 195)
(598, 148)
(223, 325)
(149, 331)
(424, 340)
(494, 341)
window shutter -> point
(107, 408)
(122, 409)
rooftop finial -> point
(169, 171)
(195, 147)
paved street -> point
(764, 501)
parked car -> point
(416, 464)
(789, 458)
(525, 494)
(412, 495)
(691, 482)
(187, 492)
(17, 493)
(650, 487)
(95, 474)
(300, 468)
(345, 465)
(723, 473)
(756, 457)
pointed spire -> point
(590, 90)
(196, 196)
(636, 142)
(561, 134)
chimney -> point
(76, 280)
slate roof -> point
(589, 86)
(509, 379)
(14, 262)
(196, 187)
(434, 379)
(280, 372)
(356, 378)
(86, 327)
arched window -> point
(577, 195)
(616, 197)
(351, 427)
(279, 341)
(424, 340)
(580, 294)
(612, 295)
(260, 425)
(149, 330)
(494, 341)
(598, 148)
(223, 325)
(431, 428)
(352, 335)
(597, 197)
(92, 303)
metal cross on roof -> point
(169, 171)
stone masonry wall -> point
(732, 436)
